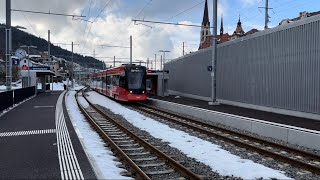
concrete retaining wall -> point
(290, 134)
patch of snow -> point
(59, 86)
(14, 85)
(39, 86)
(219, 160)
(100, 157)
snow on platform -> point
(213, 155)
(100, 157)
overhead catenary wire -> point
(26, 18)
(171, 18)
(169, 23)
(95, 19)
(286, 9)
(48, 13)
(116, 38)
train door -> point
(109, 86)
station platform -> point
(38, 141)
(245, 112)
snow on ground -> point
(100, 156)
(77, 87)
(59, 86)
(14, 85)
(219, 160)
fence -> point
(277, 68)
(9, 98)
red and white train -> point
(125, 83)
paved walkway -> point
(37, 141)
(245, 112)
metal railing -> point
(9, 98)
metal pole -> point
(183, 48)
(160, 63)
(155, 61)
(49, 58)
(147, 63)
(214, 54)
(164, 53)
(72, 65)
(114, 61)
(130, 49)
(28, 67)
(8, 46)
(266, 16)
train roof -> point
(118, 68)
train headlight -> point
(130, 92)
(142, 92)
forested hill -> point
(22, 38)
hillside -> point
(22, 38)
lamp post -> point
(25, 46)
(9, 45)
(162, 66)
(214, 55)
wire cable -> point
(171, 18)
(116, 38)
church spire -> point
(205, 20)
(221, 26)
(239, 21)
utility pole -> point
(183, 48)
(72, 65)
(148, 63)
(8, 46)
(266, 21)
(266, 18)
(49, 58)
(214, 54)
(130, 49)
(114, 61)
(160, 63)
(155, 61)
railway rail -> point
(141, 159)
(295, 157)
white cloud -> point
(112, 26)
(250, 2)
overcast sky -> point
(113, 26)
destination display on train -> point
(136, 70)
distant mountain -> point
(22, 38)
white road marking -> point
(24, 133)
(69, 166)
(43, 107)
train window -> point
(115, 80)
(122, 81)
(108, 80)
(103, 82)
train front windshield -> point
(136, 79)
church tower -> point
(221, 26)
(205, 29)
(239, 32)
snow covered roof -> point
(35, 56)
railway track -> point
(301, 159)
(140, 158)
